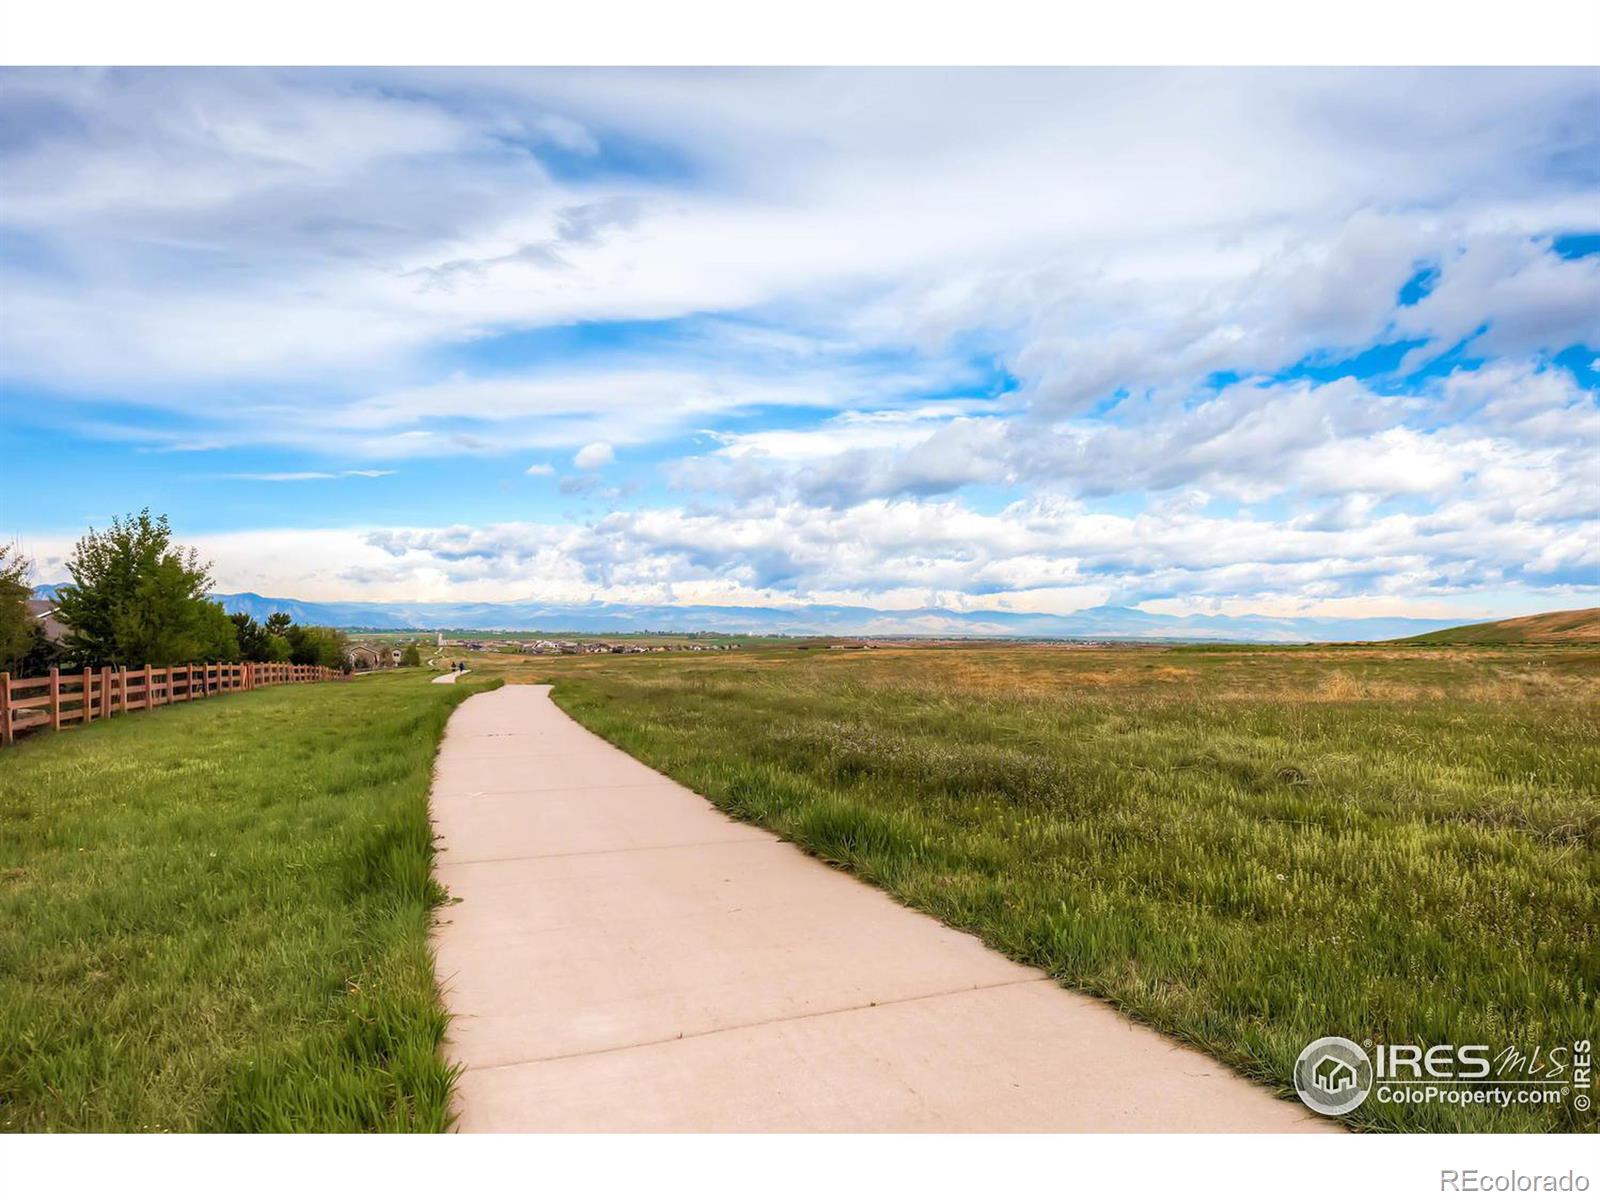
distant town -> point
(549, 646)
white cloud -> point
(824, 259)
(593, 456)
(274, 224)
(304, 476)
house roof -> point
(44, 612)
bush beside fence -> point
(62, 701)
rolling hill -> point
(1571, 625)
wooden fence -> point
(58, 701)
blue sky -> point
(1308, 342)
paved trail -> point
(624, 957)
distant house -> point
(54, 628)
(367, 657)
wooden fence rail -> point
(60, 701)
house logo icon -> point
(1333, 1076)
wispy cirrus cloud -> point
(304, 476)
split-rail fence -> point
(74, 699)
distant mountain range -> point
(822, 619)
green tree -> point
(18, 629)
(254, 640)
(135, 597)
(257, 642)
(279, 624)
(411, 656)
(215, 632)
(317, 646)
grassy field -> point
(1246, 848)
(215, 916)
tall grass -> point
(1248, 849)
(215, 917)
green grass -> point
(215, 916)
(1246, 848)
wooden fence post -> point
(105, 692)
(5, 708)
(88, 691)
(55, 697)
(149, 687)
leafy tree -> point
(411, 656)
(135, 597)
(257, 642)
(317, 646)
(253, 638)
(219, 640)
(18, 629)
(279, 624)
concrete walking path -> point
(624, 957)
(449, 677)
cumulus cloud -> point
(913, 549)
(593, 456)
(1249, 442)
